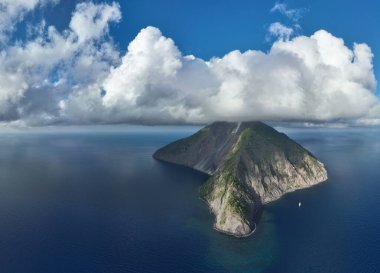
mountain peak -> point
(249, 163)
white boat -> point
(299, 204)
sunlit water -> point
(81, 201)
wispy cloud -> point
(282, 31)
(293, 14)
(278, 30)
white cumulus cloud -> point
(78, 76)
(91, 21)
(316, 78)
(39, 75)
(12, 11)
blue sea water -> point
(95, 201)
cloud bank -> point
(78, 76)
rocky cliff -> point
(249, 163)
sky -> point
(311, 63)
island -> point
(250, 164)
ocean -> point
(93, 200)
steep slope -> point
(202, 151)
(250, 164)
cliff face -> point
(250, 164)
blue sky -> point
(89, 62)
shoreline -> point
(227, 232)
(235, 235)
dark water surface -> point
(95, 201)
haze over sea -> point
(93, 200)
